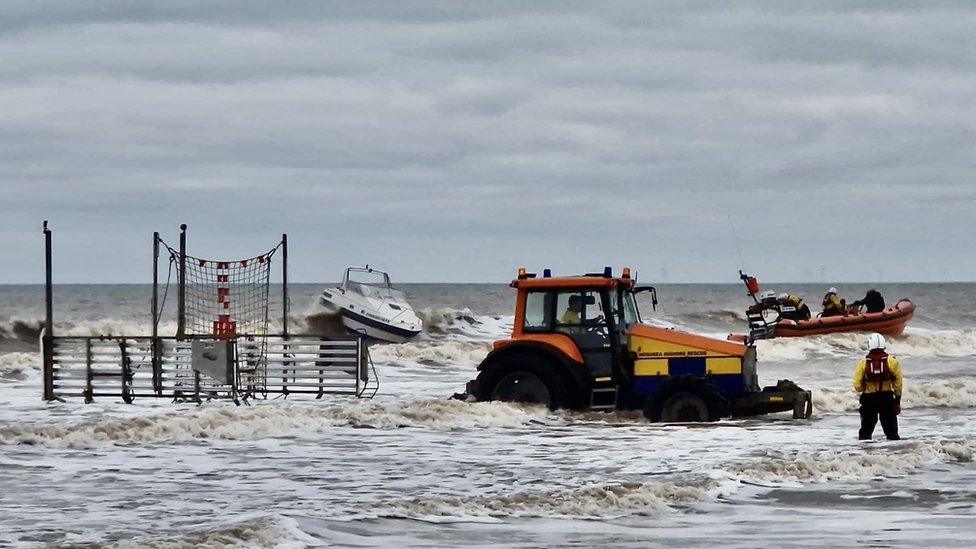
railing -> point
(163, 367)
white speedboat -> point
(369, 304)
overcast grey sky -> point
(451, 141)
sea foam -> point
(274, 420)
(896, 459)
(602, 501)
(954, 393)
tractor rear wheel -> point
(522, 387)
(687, 400)
(523, 378)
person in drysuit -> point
(833, 305)
(873, 302)
(792, 307)
(878, 379)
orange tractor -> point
(578, 342)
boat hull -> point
(890, 322)
(377, 330)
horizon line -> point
(292, 282)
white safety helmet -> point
(784, 297)
(832, 290)
(768, 294)
(876, 341)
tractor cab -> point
(590, 314)
(578, 342)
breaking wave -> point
(440, 353)
(918, 394)
(445, 322)
(248, 531)
(27, 330)
(20, 335)
(941, 343)
(438, 324)
(462, 324)
(275, 420)
(893, 460)
(322, 324)
(19, 366)
(588, 502)
(915, 343)
(709, 318)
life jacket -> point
(570, 317)
(876, 369)
(793, 302)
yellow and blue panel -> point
(657, 360)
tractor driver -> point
(576, 313)
(573, 313)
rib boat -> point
(889, 322)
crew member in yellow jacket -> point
(833, 305)
(878, 378)
(792, 307)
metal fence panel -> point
(163, 367)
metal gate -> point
(163, 367)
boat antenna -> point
(735, 240)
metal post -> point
(284, 284)
(361, 365)
(89, 391)
(154, 340)
(284, 310)
(47, 342)
(155, 283)
(126, 365)
(181, 299)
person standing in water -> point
(878, 378)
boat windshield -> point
(372, 283)
(376, 292)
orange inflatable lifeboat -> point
(890, 322)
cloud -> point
(501, 134)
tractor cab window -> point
(580, 316)
(624, 309)
(625, 315)
(579, 309)
(631, 314)
(537, 310)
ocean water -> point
(413, 468)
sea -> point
(414, 468)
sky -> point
(457, 141)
